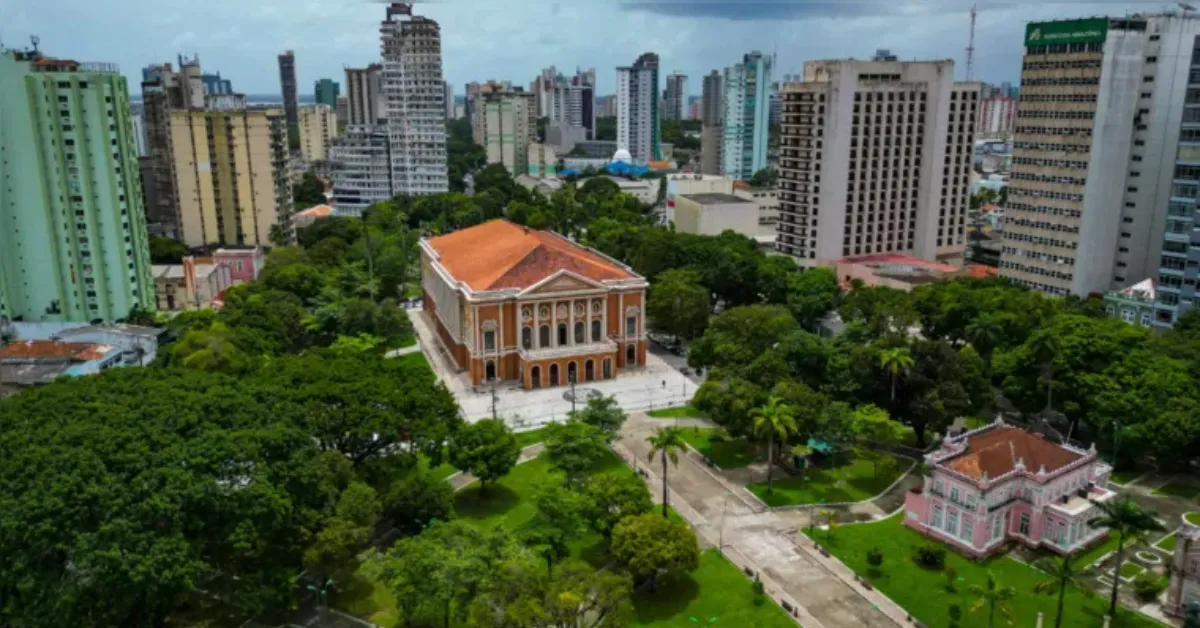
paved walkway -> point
(822, 589)
(463, 479)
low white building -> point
(645, 190)
(712, 214)
(767, 200)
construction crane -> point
(971, 48)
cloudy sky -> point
(514, 39)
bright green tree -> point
(1063, 574)
(775, 422)
(602, 413)
(896, 361)
(994, 597)
(1123, 517)
(666, 443)
(486, 449)
(574, 448)
(648, 546)
(612, 498)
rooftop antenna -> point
(971, 48)
(35, 40)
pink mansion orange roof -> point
(499, 254)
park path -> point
(822, 590)
(462, 479)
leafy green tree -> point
(310, 191)
(347, 533)
(994, 597)
(775, 422)
(878, 311)
(355, 346)
(678, 304)
(812, 294)
(740, 335)
(873, 422)
(303, 280)
(896, 361)
(729, 401)
(559, 519)
(612, 498)
(418, 499)
(574, 595)
(1063, 574)
(602, 413)
(167, 250)
(1123, 517)
(487, 449)
(765, 178)
(666, 443)
(574, 448)
(265, 321)
(985, 334)
(649, 546)
(210, 349)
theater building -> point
(521, 305)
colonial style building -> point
(516, 304)
(1000, 483)
(1185, 567)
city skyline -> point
(328, 35)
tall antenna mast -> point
(971, 48)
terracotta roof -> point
(997, 450)
(54, 349)
(316, 211)
(499, 254)
(896, 258)
(980, 271)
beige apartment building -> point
(505, 125)
(318, 128)
(1105, 131)
(875, 158)
(231, 174)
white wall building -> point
(415, 96)
(364, 95)
(362, 168)
(875, 158)
(712, 214)
(637, 109)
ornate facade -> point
(516, 304)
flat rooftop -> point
(714, 199)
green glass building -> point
(73, 243)
(327, 92)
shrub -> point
(1147, 586)
(930, 556)
(951, 576)
(716, 437)
(874, 557)
(760, 592)
(955, 612)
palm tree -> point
(995, 597)
(774, 421)
(985, 333)
(1063, 574)
(666, 443)
(1124, 517)
(1044, 347)
(895, 361)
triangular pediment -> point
(562, 281)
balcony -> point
(566, 351)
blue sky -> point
(514, 39)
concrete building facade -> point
(364, 95)
(415, 95)
(74, 245)
(637, 109)
(449, 95)
(711, 214)
(232, 176)
(507, 125)
(675, 97)
(362, 168)
(997, 115)
(712, 118)
(215, 85)
(289, 87)
(326, 91)
(875, 158)
(165, 90)
(746, 113)
(318, 129)
(1098, 138)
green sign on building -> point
(1068, 32)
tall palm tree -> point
(1044, 347)
(666, 443)
(985, 334)
(773, 421)
(994, 596)
(1063, 574)
(1125, 518)
(895, 361)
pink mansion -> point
(1000, 483)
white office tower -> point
(875, 158)
(415, 97)
(364, 95)
(361, 160)
(1106, 144)
(675, 97)
(637, 109)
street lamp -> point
(571, 379)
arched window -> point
(544, 337)
(527, 337)
(596, 334)
(553, 374)
(630, 355)
(580, 332)
(589, 371)
(562, 335)
(607, 368)
(490, 371)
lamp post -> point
(571, 379)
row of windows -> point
(1059, 49)
(1041, 224)
(1051, 147)
(1042, 240)
(1045, 289)
(1030, 176)
(1056, 115)
(1071, 80)
(1061, 65)
(888, 96)
(1035, 270)
(1088, 98)
(1187, 172)
(1055, 130)
(1049, 163)
(1060, 196)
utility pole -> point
(492, 383)
(572, 379)
(971, 48)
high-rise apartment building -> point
(449, 99)
(507, 125)
(475, 93)
(342, 109)
(1100, 136)
(747, 111)
(637, 109)
(73, 246)
(288, 86)
(712, 117)
(415, 96)
(165, 90)
(232, 176)
(362, 168)
(326, 92)
(997, 115)
(695, 108)
(606, 106)
(572, 102)
(875, 158)
(364, 94)
(215, 85)
(675, 97)
(318, 129)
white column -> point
(642, 312)
(571, 325)
(604, 319)
(1039, 620)
(537, 326)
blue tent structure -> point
(625, 169)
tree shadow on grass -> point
(477, 502)
(674, 594)
(595, 554)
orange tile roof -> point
(499, 254)
(979, 271)
(51, 349)
(741, 185)
(316, 211)
(996, 451)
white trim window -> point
(996, 526)
(968, 530)
(954, 496)
(937, 518)
(951, 522)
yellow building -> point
(318, 128)
(231, 176)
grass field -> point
(1178, 489)
(1193, 518)
(1130, 570)
(1125, 476)
(853, 482)
(727, 454)
(415, 358)
(717, 589)
(1167, 543)
(682, 412)
(923, 593)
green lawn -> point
(1130, 570)
(923, 592)
(728, 454)
(368, 599)
(1193, 518)
(1092, 554)
(531, 437)
(682, 412)
(1167, 543)
(853, 482)
(415, 358)
(407, 343)
(717, 589)
(1126, 476)
(1178, 489)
